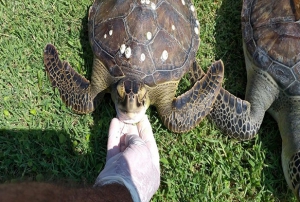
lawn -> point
(42, 140)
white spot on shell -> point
(153, 6)
(183, 2)
(147, 1)
(196, 29)
(143, 57)
(173, 27)
(128, 52)
(122, 48)
(110, 32)
(192, 8)
(105, 36)
(164, 55)
(149, 35)
(143, 1)
(197, 22)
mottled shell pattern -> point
(272, 36)
(155, 39)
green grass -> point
(42, 140)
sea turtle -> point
(141, 49)
(271, 43)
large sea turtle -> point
(271, 42)
(141, 51)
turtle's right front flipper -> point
(74, 89)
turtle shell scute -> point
(156, 41)
(271, 34)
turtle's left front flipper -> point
(289, 126)
(233, 116)
(241, 119)
(74, 89)
(187, 110)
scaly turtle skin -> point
(141, 51)
(271, 41)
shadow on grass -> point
(229, 49)
(85, 44)
(48, 155)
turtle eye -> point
(142, 95)
(121, 90)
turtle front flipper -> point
(232, 115)
(187, 110)
(292, 172)
(196, 73)
(239, 118)
(74, 89)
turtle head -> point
(131, 99)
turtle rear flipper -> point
(187, 110)
(74, 89)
